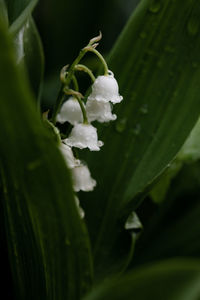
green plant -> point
(140, 171)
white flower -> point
(71, 112)
(84, 136)
(80, 210)
(105, 89)
(68, 156)
(99, 111)
(82, 180)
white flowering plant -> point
(100, 157)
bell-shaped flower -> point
(84, 136)
(105, 89)
(82, 180)
(99, 111)
(68, 156)
(80, 210)
(70, 112)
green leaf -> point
(167, 280)
(189, 153)
(174, 230)
(19, 11)
(160, 188)
(48, 242)
(29, 54)
(156, 62)
(28, 46)
(3, 12)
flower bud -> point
(80, 210)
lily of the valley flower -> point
(99, 111)
(68, 156)
(84, 136)
(82, 180)
(71, 112)
(80, 210)
(105, 89)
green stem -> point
(85, 119)
(75, 82)
(61, 94)
(91, 49)
(80, 67)
(72, 67)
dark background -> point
(67, 26)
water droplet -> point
(121, 125)
(137, 129)
(194, 64)
(155, 7)
(67, 242)
(144, 109)
(126, 155)
(143, 35)
(193, 26)
(34, 164)
(150, 52)
(159, 64)
(169, 49)
(133, 95)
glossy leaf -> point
(19, 11)
(28, 47)
(29, 54)
(156, 61)
(167, 280)
(48, 242)
(174, 230)
(3, 12)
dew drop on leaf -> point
(194, 64)
(193, 26)
(136, 130)
(144, 109)
(143, 35)
(121, 125)
(169, 49)
(155, 7)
